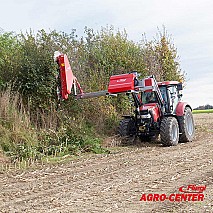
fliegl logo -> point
(192, 189)
(186, 193)
(121, 80)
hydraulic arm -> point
(124, 83)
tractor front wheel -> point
(169, 131)
(127, 128)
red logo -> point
(192, 189)
(121, 80)
(188, 193)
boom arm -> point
(124, 83)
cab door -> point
(172, 98)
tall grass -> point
(17, 135)
(31, 137)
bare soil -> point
(115, 182)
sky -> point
(189, 22)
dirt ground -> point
(115, 182)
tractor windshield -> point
(149, 97)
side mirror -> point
(180, 86)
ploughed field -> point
(116, 182)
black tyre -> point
(186, 125)
(169, 131)
(127, 128)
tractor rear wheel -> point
(169, 131)
(186, 124)
(127, 128)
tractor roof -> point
(166, 83)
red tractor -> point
(158, 106)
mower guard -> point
(67, 79)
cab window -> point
(148, 97)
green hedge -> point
(27, 67)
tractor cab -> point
(171, 93)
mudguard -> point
(181, 107)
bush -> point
(9, 59)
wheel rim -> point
(174, 132)
(189, 124)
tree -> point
(9, 59)
(161, 59)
